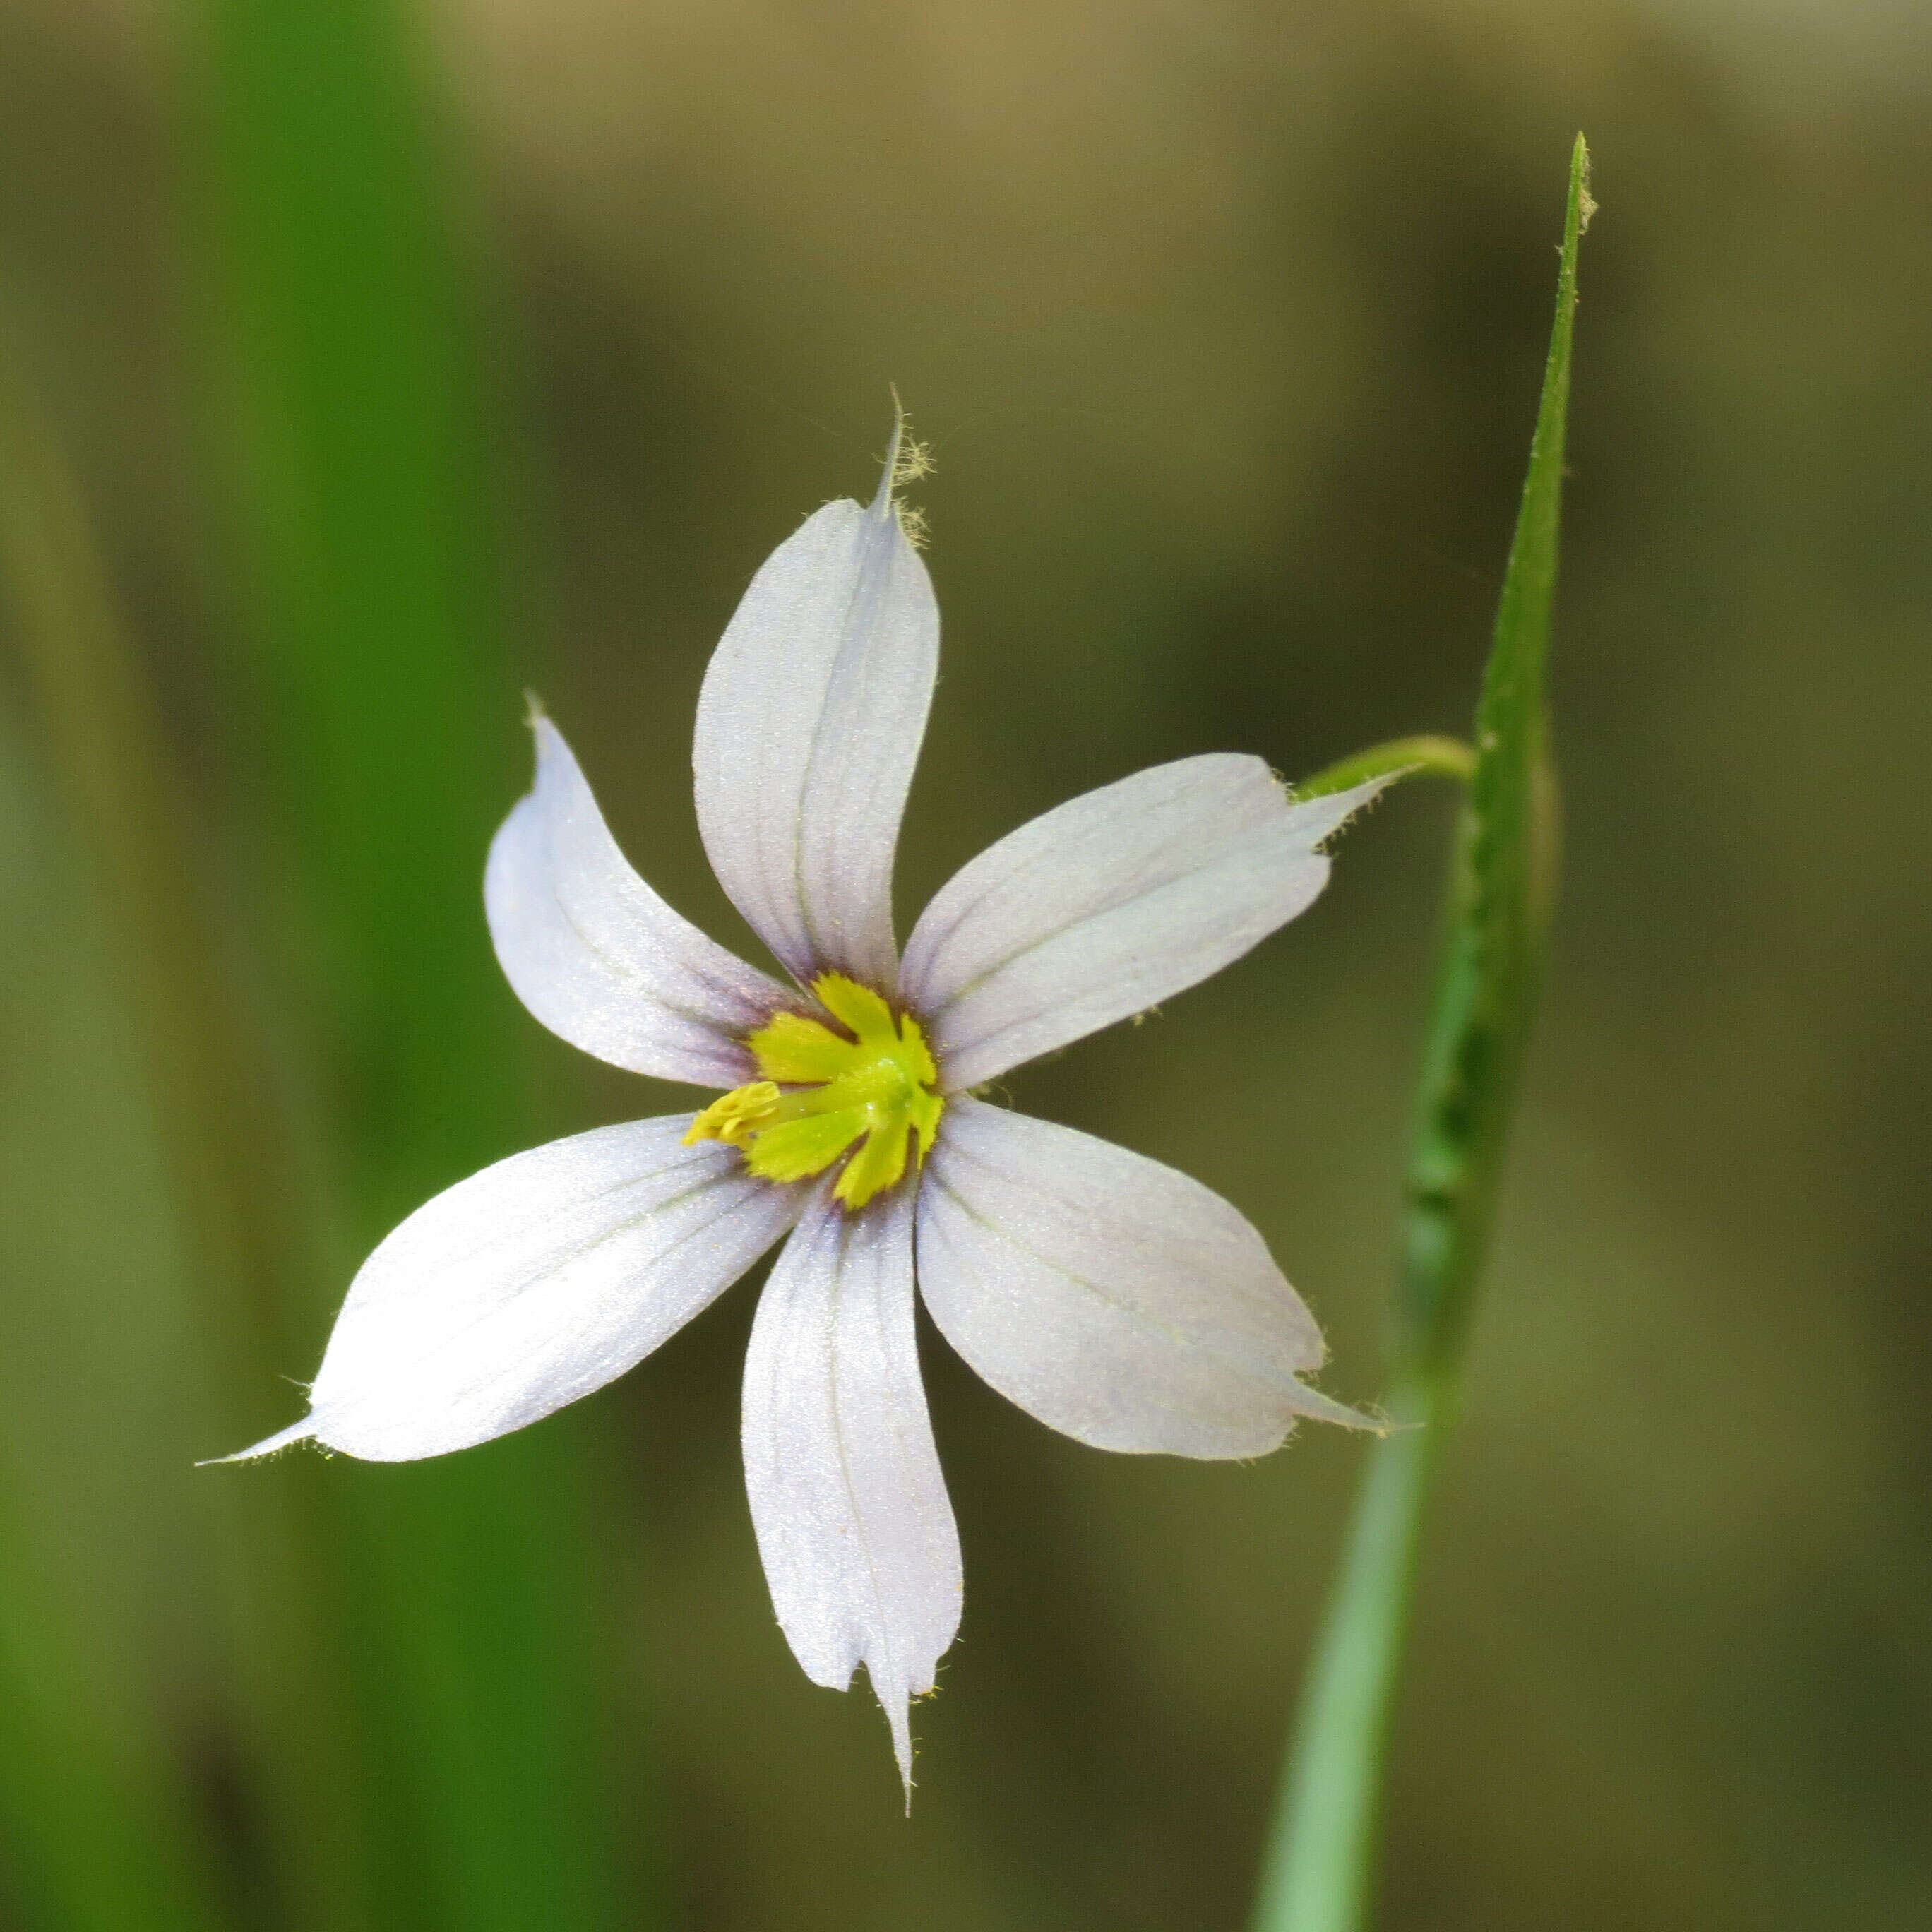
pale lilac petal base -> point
(1109, 904)
(594, 953)
(851, 1512)
(1115, 1299)
(532, 1283)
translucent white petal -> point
(532, 1283)
(809, 726)
(1112, 1298)
(596, 954)
(1110, 903)
(851, 1509)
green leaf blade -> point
(1502, 888)
(374, 513)
(1319, 1875)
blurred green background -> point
(359, 374)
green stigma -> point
(821, 1094)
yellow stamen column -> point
(876, 1092)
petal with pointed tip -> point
(850, 1510)
(1109, 904)
(1115, 1299)
(808, 727)
(532, 1283)
(597, 956)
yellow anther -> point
(735, 1117)
(873, 1095)
(798, 1051)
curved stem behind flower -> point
(1321, 1864)
(1427, 751)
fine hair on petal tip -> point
(914, 460)
(1362, 805)
(1367, 804)
(908, 461)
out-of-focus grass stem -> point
(370, 461)
(1318, 1874)
(217, 1121)
(97, 1839)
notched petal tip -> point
(897, 1706)
(557, 763)
(907, 459)
(1319, 819)
(1316, 1407)
(303, 1431)
(890, 478)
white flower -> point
(1110, 1296)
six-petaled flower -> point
(1110, 1296)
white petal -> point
(853, 1520)
(809, 726)
(596, 954)
(532, 1283)
(1112, 1298)
(1110, 903)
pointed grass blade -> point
(1502, 891)
(98, 1839)
(226, 1151)
(1318, 1876)
(370, 459)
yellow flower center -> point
(822, 1092)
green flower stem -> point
(1439, 756)
(1320, 1865)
